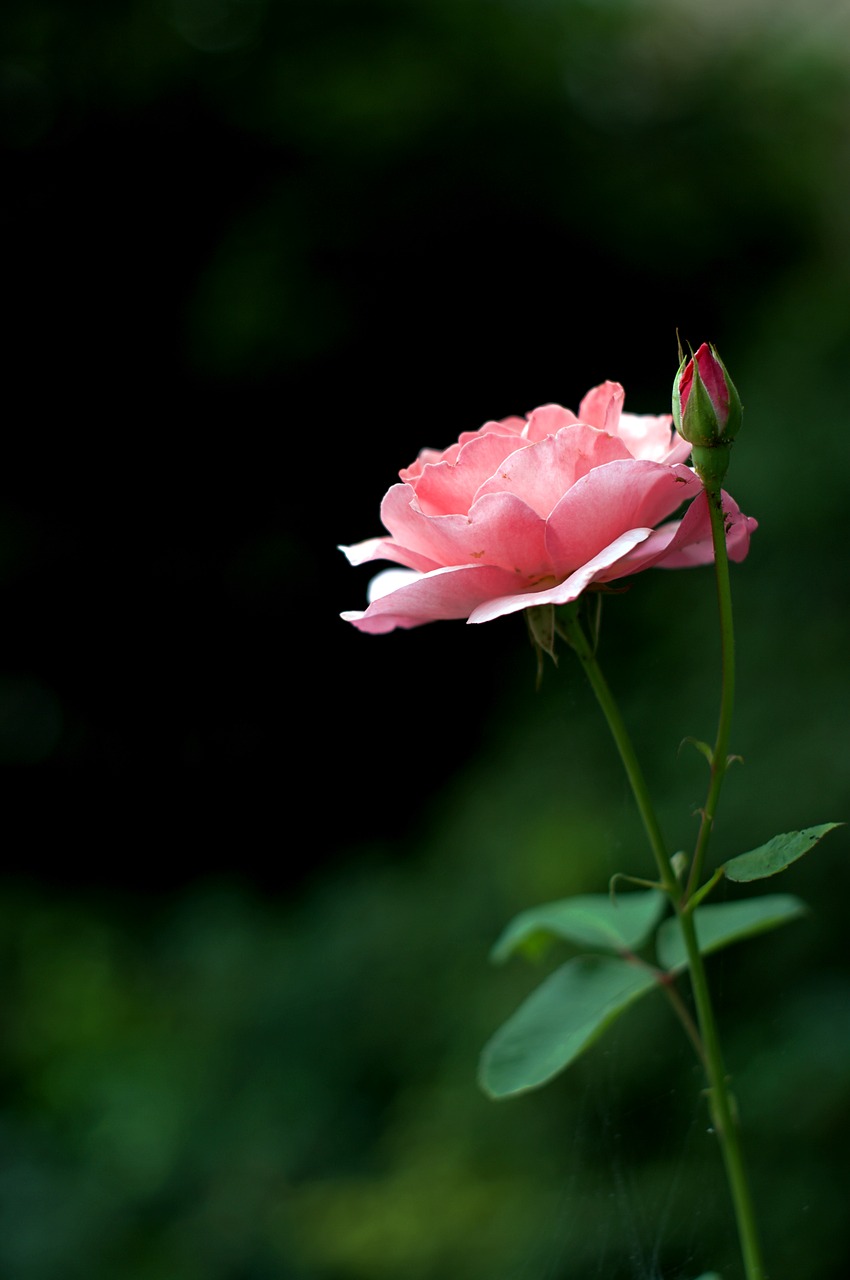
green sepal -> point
(540, 619)
(601, 921)
(723, 923)
(558, 1021)
(771, 858)
(699, 422)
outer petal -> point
(571, 588)
(387, 549)
(687, 542)
(739, 529)
(388, 581)
(693, 544)
(609, 501)
(433, 597)
(543, 472)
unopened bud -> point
(707, 412)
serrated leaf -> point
(558, 1021)
(593, 920)
(776, 855)
(723, 923)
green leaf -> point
(723, 923)
(589, 920)
(776, 855)
(558, 1021)
(710, 1275)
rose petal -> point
(433, 597)
(387, 549)
(503, 427)
(542, 473)
(546, 421)
(506, 427)
(571, 588)
(652, 438)
(693, 543)
(609, 501)
(388, 581)
(424, 458)
(602, 405)
(500, 530)
(448, 488)
(687, 543)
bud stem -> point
(711, 462)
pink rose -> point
(531, 512)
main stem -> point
(720, 755)
(575, 636)
(721, 1103)
(723, 1108)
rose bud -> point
(707, 412)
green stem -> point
(720, 1098)
(683, 1014)
(720, 755)
(723, 1108)
(574, 634)
(667, 983)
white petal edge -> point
(388, 581)
(361, 552)
(383, 584)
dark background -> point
(256, 255)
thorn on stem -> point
(702, 747)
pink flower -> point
(532, 512)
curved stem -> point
(719, 758)
(573, 633)
(723, 1111)
(667, 983)
(683, 1014)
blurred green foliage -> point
(216, 1086)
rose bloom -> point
(534, 511)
